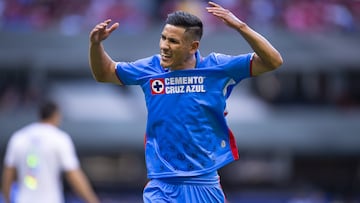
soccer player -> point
(187, 136)
(35, 158)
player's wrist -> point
(95, 42)
(241, 26)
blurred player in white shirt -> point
(36, 157)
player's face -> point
(176, 48)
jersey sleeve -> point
(10, 154)
(67, 154)
(237, 67)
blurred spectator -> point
(303, 15)
(73, 17)
(133, 15)
(196, 7)
(262, 13)
(339, 16)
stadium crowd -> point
(72, 17)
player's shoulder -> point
(60, 134)
(49, 130)
(214, 55)
(150, 63)
(209, 61)
(153, 60)
(213, 58)
(24, 130)
(218, 56)
(20, 135)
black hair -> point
(47, 109)
(190, 22)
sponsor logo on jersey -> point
(178, 85)
(157, 86)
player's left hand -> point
(225, 15)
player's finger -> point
(217, 12)
(107, 21)
(214, 4)
(103, 24)
(219, 15)
(99, 27)
(216, 9)
(113, 27)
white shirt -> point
(40, 152)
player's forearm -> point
(6, 184)
(87, 194)
(81, 185)
(6, 194)
(261, 46)
(100, 63)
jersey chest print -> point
(177, 85)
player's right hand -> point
(101, 31)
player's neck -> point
(51, 121)
(188, 64)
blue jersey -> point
(187, 133)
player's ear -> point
(195, 46)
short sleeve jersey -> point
(40, 152)
(187, 133)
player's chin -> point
(165, 64)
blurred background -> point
(297, 128)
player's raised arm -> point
(101, 64)
(266, 57)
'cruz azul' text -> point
(178, 85)
(184, 89)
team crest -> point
(157, 86)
